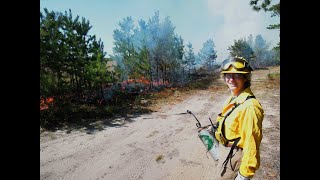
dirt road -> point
(162, 145)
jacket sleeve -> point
(251, 136)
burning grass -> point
(70, 112)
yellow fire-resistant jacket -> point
(245, 122)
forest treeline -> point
(77, 78)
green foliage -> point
(189, 60)
(277, 53)
(142, 65)
(241, 48)
(262, 55)
(152, 50)
(72, 66)
(274, 26)
(47, 84)
(208, 54)
(71, 60)
(274, 76)
(263, 5)
(266, 6)
(275, 9)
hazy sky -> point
(195, 20)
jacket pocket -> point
(232, 124)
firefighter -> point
(239, 129)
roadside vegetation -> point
(150, 65)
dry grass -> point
(160, 159)
(266, 87)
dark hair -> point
(248, 78)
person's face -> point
(235, 82)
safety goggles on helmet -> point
(239, 64)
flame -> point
(143, 80)
(44, 103)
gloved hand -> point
(211, 130)
(240, 177)
(215, 126)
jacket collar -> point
(243, 96)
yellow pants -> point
(235, 162)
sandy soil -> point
(161, 145)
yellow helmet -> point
(236, 65)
